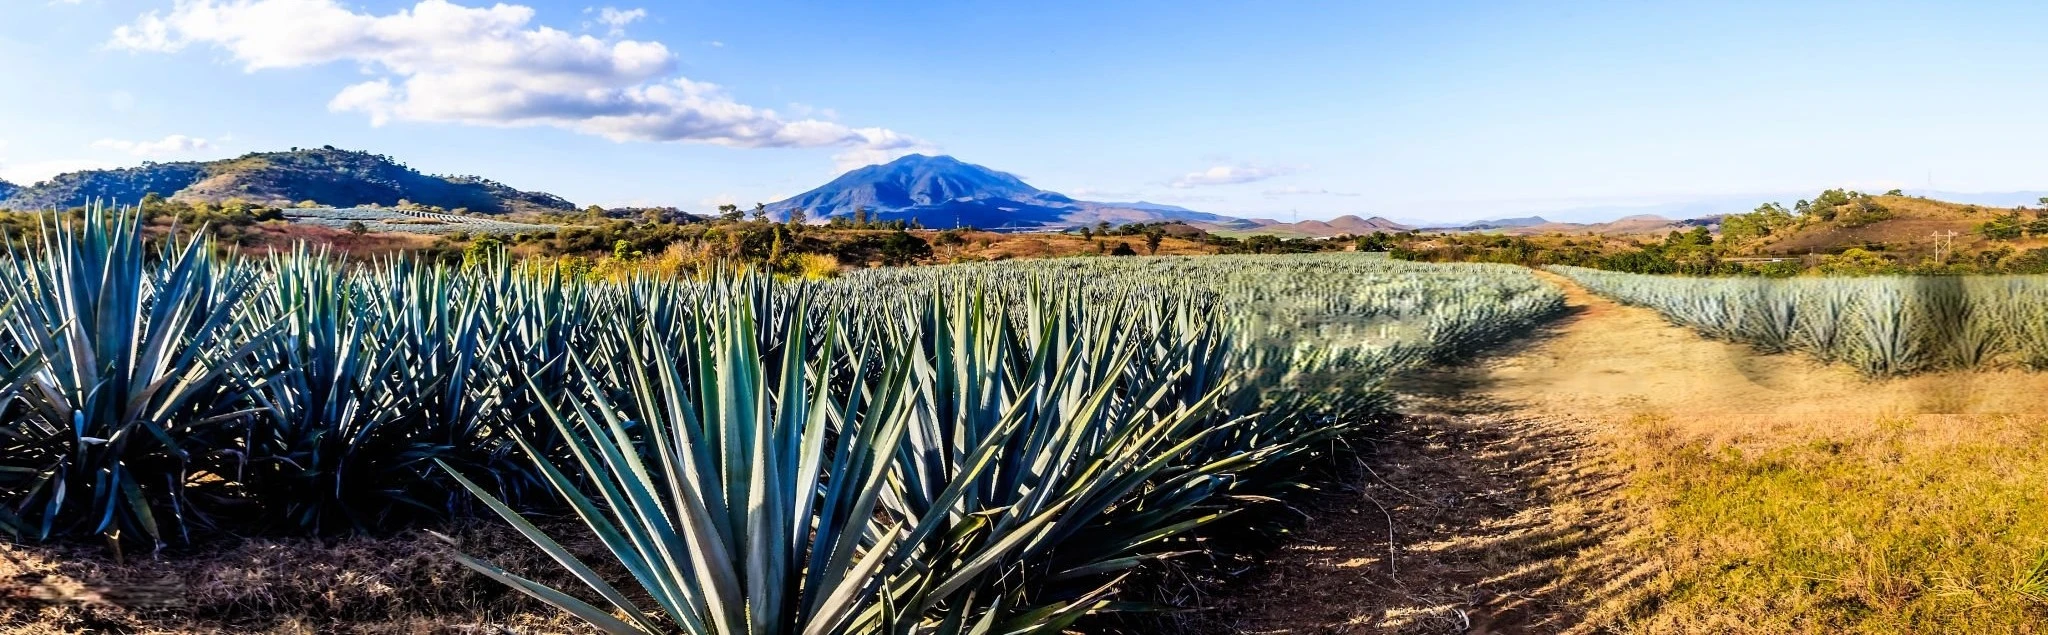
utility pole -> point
(1943, 244)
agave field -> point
(964, 449)
(1886, 325)
(397, 220)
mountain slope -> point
(327, 176)
(941, 191)
(7, 189)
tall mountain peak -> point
(942, 191)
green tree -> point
(481, 251)
(1378, 241)
(760, 213)
(357, 228)
(1152, 239)
(797, 218)
(730, 213)
(901, 248)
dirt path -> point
(1493, 497)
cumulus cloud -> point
(1304, 191)
(447, 63)
(173, 144)
(32, 172)
(1229, 175)
(615, 20)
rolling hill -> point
(328, 176)
(941, 191)
(1348, 225)
(1905, 224)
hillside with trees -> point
(325, 176)
(1838, 232)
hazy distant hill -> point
(328, 176)
(1498, 223)
(1348, 225)
(941, 191)
(7, 189)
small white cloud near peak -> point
(615, 19)
(1230, 175)
(173, 144)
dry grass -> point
(1649, 480)
(1903, 525)
(1773, 494)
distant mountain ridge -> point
(941, 191)
(7, 189)
(328, 176)
(1346, 225)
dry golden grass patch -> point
(1773, 494)
(1903, 524)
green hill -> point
(328, 176)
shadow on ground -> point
(1465, 516)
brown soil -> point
(401, 584)
(1499, 505)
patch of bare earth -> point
(1468, 516)
(401, 584)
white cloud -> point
(879, 146)
(715, 44)
(174, 144)
(32, 172)
(443, 62)
(1230, 175)
(1303, 191)
(615, 20)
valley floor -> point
(1620, 474)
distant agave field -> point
(1887, 325)
(980, 448)
(396, 220)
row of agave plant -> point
(969, 449)
(1882, 326)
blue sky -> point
(1274, 109)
